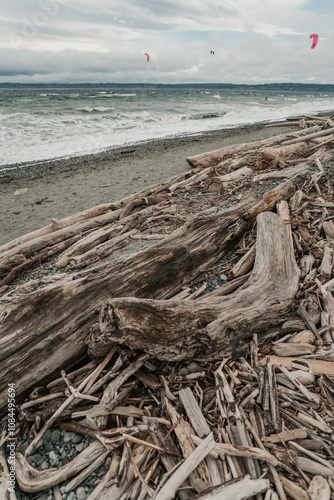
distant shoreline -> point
(269, 86)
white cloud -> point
(55, 40)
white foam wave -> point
(66, 129)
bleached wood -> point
(238, 490)
(319, 489)
(204, 160)
(307, 137)
(293, 489)
(317, 366)
(170, 488)
(32, 480)
(169, 329)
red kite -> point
(315, 40)
(147, 57)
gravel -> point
(55, 450)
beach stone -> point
(40, 444)
(44, 465)
(80, 447)
(55, 436)
(71, 496)
(54, 460)
(48, 446)
(44, 496)
(76, 439)
(68, 437)
(23, 447)
(37, 459)
(81, 493)
(53, 455)
(30, 461)
(47, 435)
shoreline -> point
(59, 188)
(70, 162)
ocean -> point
(44, 122)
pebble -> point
(81, 493)
(54, 460)
(44, 496)
(68, 437)
(23, 447)
(77, 438)
(48, 446)
(55, 435)
(52, 455)
(80, 447)
(37, 459)
(40, 444)
(47, 435)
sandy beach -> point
(60, 188)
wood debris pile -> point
(211, 361)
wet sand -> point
(60, 188)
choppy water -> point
(44, 122)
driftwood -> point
(269, 419)
(205, 160)
(276, 157)
(218, 183)
(177, 330)
(318, 366)
(26, 248)
(309, 136)
(63, 312)
(58, 224)
(31, 480)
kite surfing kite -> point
(212, 52)
(315, 40)
(147, 57)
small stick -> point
(43, 399)
(56, 414)
(99, 369)
(133, 439)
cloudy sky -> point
(254, 41)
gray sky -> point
(254, 41)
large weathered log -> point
(204, 160)
(218, 183)
(28, 247)
(177, 329)
(58, 224)
(51, 324)
(309, 136)
(46, 329)
(274, 157)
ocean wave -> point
(122, 95)
(205, 116)
(98, 109)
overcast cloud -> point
(254, 41)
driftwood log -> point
(177, 329)
(209, 158)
